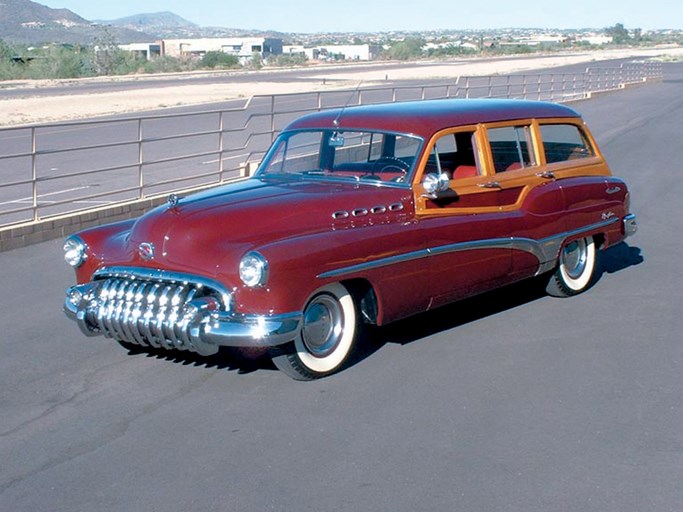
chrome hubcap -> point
(323, 325)
(574, 257)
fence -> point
(62, 170)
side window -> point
(454, 154)
(563, 142)
(511, 148)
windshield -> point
(377, 157)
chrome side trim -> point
(546, 251)
(370, 265)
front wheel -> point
(576, 269)
(327, 335)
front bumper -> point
(197, 325)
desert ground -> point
(28, 107)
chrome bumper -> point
(630, 225)
(198, 326)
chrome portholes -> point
(379, 209)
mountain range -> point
(28, 22)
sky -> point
(386, 15)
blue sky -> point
(383, 15)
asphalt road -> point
(512, 401)
(312, 74)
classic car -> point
(358, 215)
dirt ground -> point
(33, 109)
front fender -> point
(297, 267)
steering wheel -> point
(389, 164)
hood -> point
(196, 234)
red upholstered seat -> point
(465, 171)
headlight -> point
(74, 252)
(254, 269)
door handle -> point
(549, 175)
(489, 184)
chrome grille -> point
(149, 312)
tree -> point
(256, 60)
(57, 61)
(618, 33)
(409, 48)
(219, 60)
(107, 54)
(6, 51)
(8, 69)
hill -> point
(157, 24)
(24, 21)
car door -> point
(465, 233)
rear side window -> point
(564, 142)
(511, 148)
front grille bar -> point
(151, 308)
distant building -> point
(243, 48)
(536, 40)
(595, 39)
(364, 52)
(146, 50)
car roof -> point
(427, 117)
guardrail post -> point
(220, 147)
(141, 179)
(34, 175)
(272, 119)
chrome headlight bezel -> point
(253, 269)
(75, 251)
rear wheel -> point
(576, 269)
(327, 335)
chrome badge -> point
(146, 251)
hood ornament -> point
(146, 251)
(173, 200)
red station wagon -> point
(357, 215)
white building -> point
(595, 39)
(146, 50)
(241, 47)
(363, 52)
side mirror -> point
(336, 141)
(434, 184)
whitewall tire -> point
(576, 268)
(329, 329)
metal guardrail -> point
(558, 87)
(49, 172)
